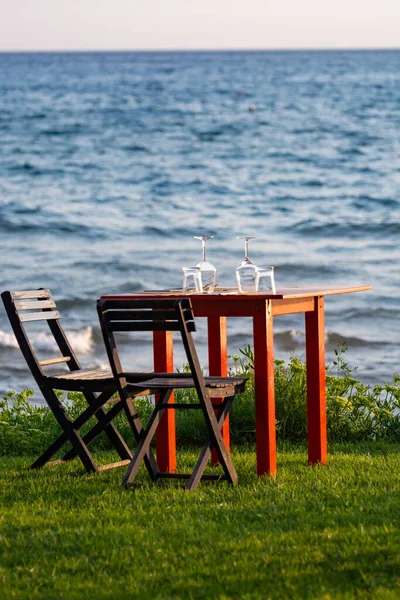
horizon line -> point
(187, 50)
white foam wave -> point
(7, 340)
(81, 341)
(99, 364)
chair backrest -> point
(33, 306)
(148, 315)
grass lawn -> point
(325, 532)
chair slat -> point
(54, 361)
(32, 304)
(138, 304)
(30, 294)
(39, 316)
(144, 326)
(140, 315)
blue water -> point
(111, 162)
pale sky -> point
(197, 24)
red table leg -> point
(165, 435)
(218, 365)
(264, 388)
(316, 386)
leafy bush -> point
(355, 411)
(27, 428)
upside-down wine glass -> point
(208, 272)
(246, 272)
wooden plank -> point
(126, 301)
(84, 374)
(140, 315)
(54, 361)
(32, 305)
(218, 366)
(39, 316)
(215, 387)
(232, 296)
(316, 386)
(264, 388)
(319, 290)
(239, 306)
(147, 326)
(163, 353)
(292, 306)
(34, 294)
(120, 463)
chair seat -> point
(83, 380)
(85, 374)
(217, 386)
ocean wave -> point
(312, 183)
(366, 201)
(136, 148)
(81, 340)
(333, 340)
(309, 227)
(7, 340)
(75, 129)
(35, 116)
(10, 226)
(292, 339)
(29, 168)
(224, 130)
(312, 269)
(378, 311)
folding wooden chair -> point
(97, 386)
(169, 315)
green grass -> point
(325, 532)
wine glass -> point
(208, 272)
(246, 272)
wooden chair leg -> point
(50, 452)
(63, 439)
(207, 451)
(216, 436)
(136, 426)
(87, 439)
(104, 424)
(137, 429)
(68, 427)
(82, 451)
(99, 428)
(110, 430)
(145, 438)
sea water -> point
(110, 163)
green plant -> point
(27, 428)
(355, 411)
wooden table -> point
(262, 308)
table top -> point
(282, 293)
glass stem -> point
(246, 250)
(204, 250)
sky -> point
(197, 24)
